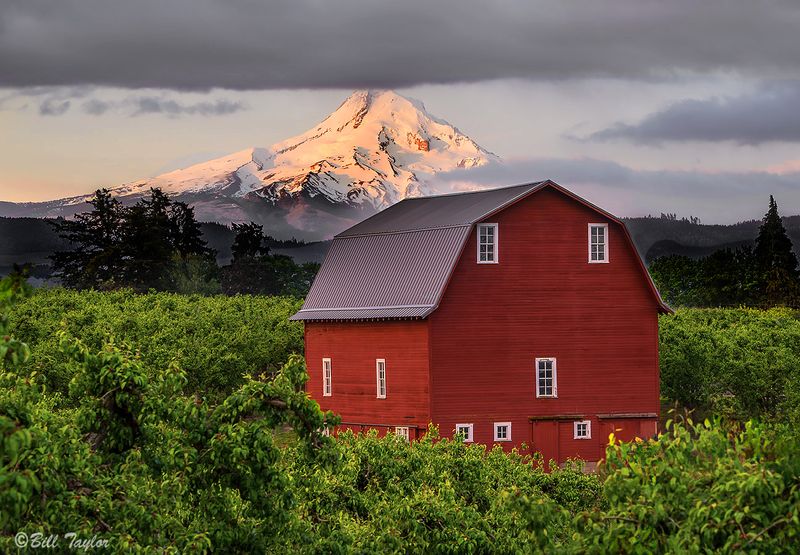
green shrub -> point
(216, 340)
(742, 363)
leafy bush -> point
(743, 363)
(216, 340)
(431, 496)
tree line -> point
(158, 244)
(762, 276)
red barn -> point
(514, 315)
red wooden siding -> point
(544, 299)
(353, 348)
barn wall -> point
(353, 348)
(544, 299)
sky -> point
(644, 106)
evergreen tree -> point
(773, 246)
(146, 242)
(96, 260)
(777, 263)
(250, 241)
(185, 232)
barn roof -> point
(396, 264)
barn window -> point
(327, 378)
(502, 431)
(582, 429)
(598, 243)
(546, 378)
(466, 431)
(487, 243)
(380, 371)
(402, 431)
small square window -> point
(502, 431)
(402, 431)
(582, 429)
(466, 431)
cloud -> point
(57, 101)
(718, 197)
(156, 105)
(96, 107)
(249, 44)
(52, 107)
(769, 114)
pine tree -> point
(96, 259)
(250, 241)
(777, 263)
(185, 232)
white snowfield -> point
(377, 148)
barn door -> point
(544, 439)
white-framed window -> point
(327, 378)
(466, 431)
(598, 243)
(582, 429)
(380, 377)
(487, 244)
(502, 431)
(326, 431)
(546, 377)
(402, 431)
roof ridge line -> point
(399, 231)
(387, 307)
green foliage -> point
(743, 363)
(215, 339)
(431, 496)
(153, 468)
(699, 489)
(12, 289)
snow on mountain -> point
(377, 148)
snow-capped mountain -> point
(377, 148)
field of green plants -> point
(159, 422)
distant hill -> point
(656, 237)
(32, 240)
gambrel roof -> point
(396, 264)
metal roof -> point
(397, 263)
(440, 211)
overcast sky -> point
(647, 106)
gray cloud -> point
(53, 107)
(772, 113)
(251, 44)
(156, 105)
(96, 107)
(723, 197)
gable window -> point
(582, 429)
(598, 243)
(502, 431)
(487, 244)
(327, 378)
(466, 431)
(546, 379)
(402, 431)
(380, 371)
